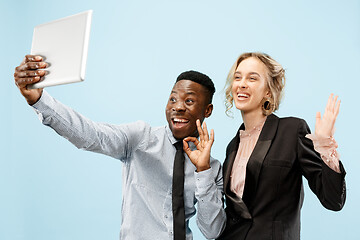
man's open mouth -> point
(179, 122)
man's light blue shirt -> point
(148, 156)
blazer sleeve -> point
(328, 185)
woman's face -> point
(250, 85)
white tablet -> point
(64, 44)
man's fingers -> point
(22, 82)
(31, 66)
(30, 73)
(195, 141)
(33, 58)
(187, 149)
(191, 139)
(200, 131)
(185, 144)
(206, 133)
(212, 136)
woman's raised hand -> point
(324, 127)
(201, 156)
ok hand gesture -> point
(200, 157)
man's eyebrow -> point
(187, 93)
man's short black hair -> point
(201, 79)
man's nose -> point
(179, 106)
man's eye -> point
(189, 101)
(172, 99)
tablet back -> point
(64, 44)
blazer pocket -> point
(277, 230)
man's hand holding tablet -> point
(30, 71)
(64, 45)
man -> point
(150, 198)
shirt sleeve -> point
(116, 141)
(328, 185)
(326, 147)
(211, 217)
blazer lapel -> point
(257, 157)
(233, 201)
(230, 157)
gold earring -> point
(267, 106)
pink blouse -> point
(248, 138)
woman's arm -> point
(326, 182)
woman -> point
(267, 158)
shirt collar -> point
(170, 135)
(173, 140)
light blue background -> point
(51, 190)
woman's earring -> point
(267, 106)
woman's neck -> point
(252, 119)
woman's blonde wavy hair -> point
(275, 79)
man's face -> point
(187, 103)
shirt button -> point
(166, 216)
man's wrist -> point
(202, 168)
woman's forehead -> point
(252, 65)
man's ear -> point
(208, 110)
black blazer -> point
(273, 193)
